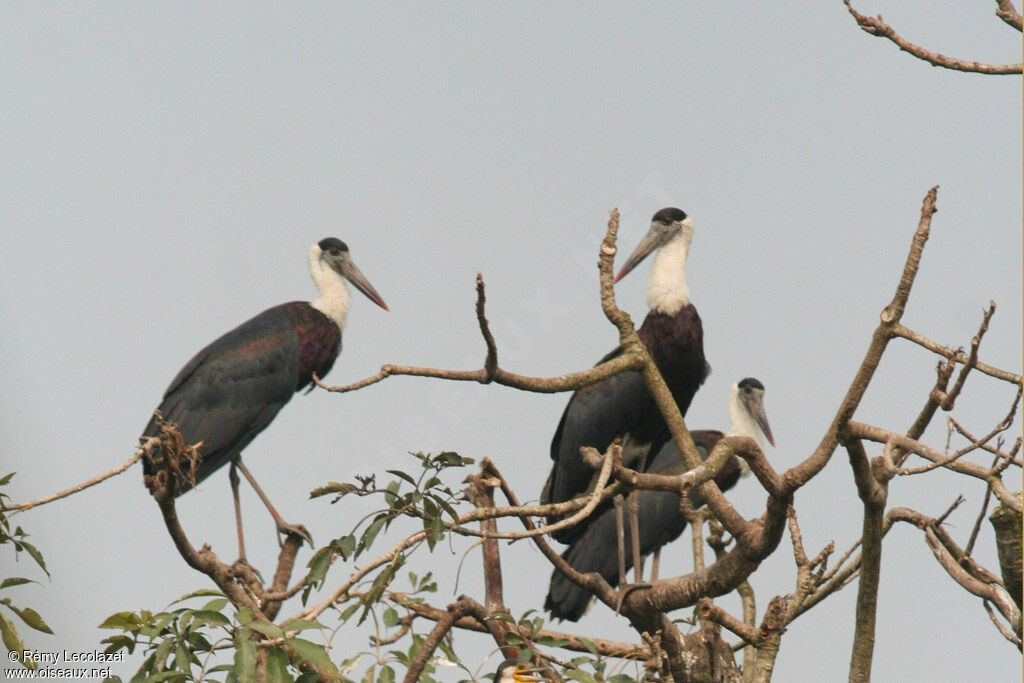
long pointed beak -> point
(356, 277)
(649, 243)
(756, 408)
(527, 674)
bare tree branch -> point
(876, 27)
(873, 490)
(971, 576)
(861, 430)
(1008, 13)
(956, 355)
(469, 622)
(890, 317)
(444, 624)
(149, 443)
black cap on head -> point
(751, 383)
(669, 215)
(332, 244)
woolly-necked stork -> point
(660, 518)
(231, 390)
(621, 406)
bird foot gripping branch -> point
(169, 460)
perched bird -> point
(513, 670)
(660, 518)
(231, 390)
(621, 406)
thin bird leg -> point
(621, 535)
(633, 506)
(655, 561)
(233, 478)
(283, 527)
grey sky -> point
(165, 172)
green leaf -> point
(318, 565)
(182, 660)
(429, 509)
(126, 621)
(6, 478)
(277, 667)
(390, 617)
(452, 459)
(36, 555)
(346, 546)
(386, 675)
(201, 593)
(311, 652)
(210, 618)
(550, 641)
(32, 618)
(371, 533)
(119, 642)
(349, 611)
(301, 625)
(512, 638)
(215, 605)
(590, 646)
(198, 642)
(160, 623)
(402, 475)
(14, 581)
(266, 628)
(582, 676)
(448, 508)
(245, 656)
(333, 487)
(13, 642)
(163, 651)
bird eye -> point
(747, 390)
(335, 251)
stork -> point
(231, 390)
(660, 518)
(622, 406)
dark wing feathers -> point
(661, 522)
(622, 406)
(232, 389)
(594, 416)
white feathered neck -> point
(334, 299)
(743, 424)
(666, 290)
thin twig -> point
(972, 359)
(139, 452)
(876, 27)
(956, 355)
(981, 516)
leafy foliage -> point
(181, 644)
(218, 641)
(16, 538)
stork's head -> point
(513, 670)
(330, 255)
(667, 225)
(746, 408)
